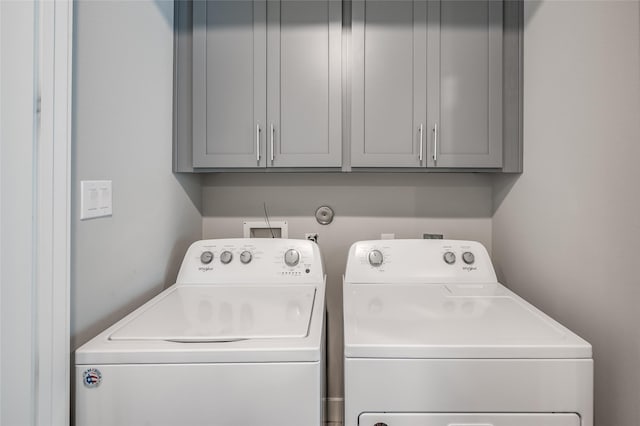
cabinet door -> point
(304, 84)
(229, 83)
(465, 83)
(389, 83)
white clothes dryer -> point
(237, 341)
(432, 339)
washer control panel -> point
(419, 261)
(251, 260)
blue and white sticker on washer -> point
(92, 377)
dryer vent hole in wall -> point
(264, 229)
(432, 236)
(265, 233)
(311, 236)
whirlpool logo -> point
(92, 377)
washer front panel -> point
(278, 393)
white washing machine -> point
(432, 339)
(237, 341)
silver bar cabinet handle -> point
(272, 132)
(420, 155)
(257, 142)
(435, 142)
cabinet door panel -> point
(304, 83)
(469, 77)
(229, 79)
(388, 82)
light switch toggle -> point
(95, 199)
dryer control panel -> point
(252, 260)
(419, 261)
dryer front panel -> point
(469, 419)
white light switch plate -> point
(95, 199)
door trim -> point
(52, 213)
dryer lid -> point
(451, 321)
(223, 314)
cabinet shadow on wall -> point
(459, 195)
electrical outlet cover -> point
(95, 199)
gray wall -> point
(123, 83)
(366, 205)
(566, 233)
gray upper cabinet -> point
(389, 83)
(427, 84)
(430, 85)
(229, 83)
(465, 84)
(304, 86)
(267, 84)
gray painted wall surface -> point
(566, 232)
(123, 84)
(366, 205)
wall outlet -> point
(312, 236)
(387, 236)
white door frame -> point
(53, 213)
(41, 290)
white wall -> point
(566, 233)
(123, 132)
(17, 228)
(366, 205)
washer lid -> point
(223, 314)
(451, 321)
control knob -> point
(206, 257)
(291, 257)
(226, 257)
(449, 257)
(245, 257)
(468, 257)
(375, 258)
